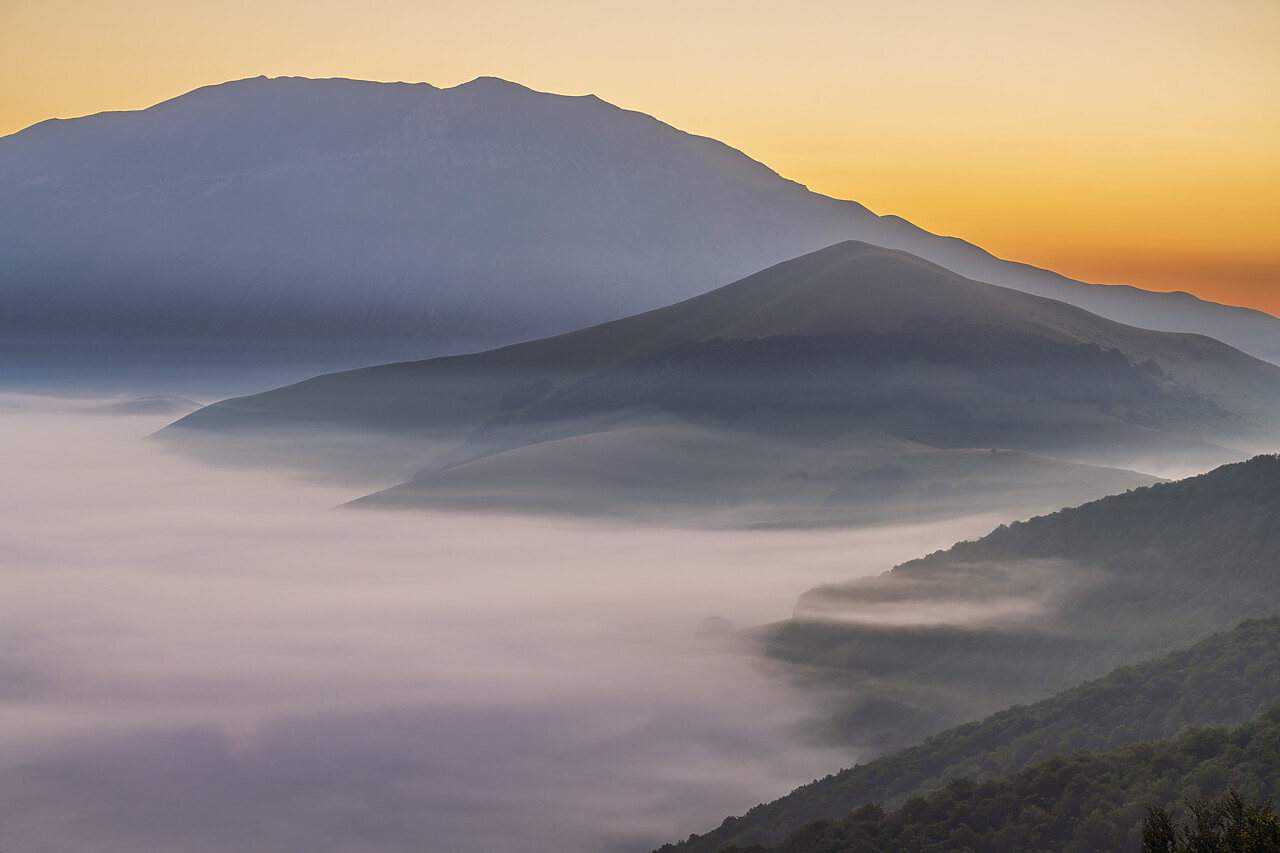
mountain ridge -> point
(822, 292)
(1098, 585)
(337, 223)
(791, 360)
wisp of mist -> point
(203, 659)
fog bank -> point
(201, 659)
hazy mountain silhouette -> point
(672, 473)
(1039, 605)
(797, 358)
(340, 223)
(155, 404)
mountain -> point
(1225, 679)
(1036, 606)
(673, 473)
(154, 404)
(1085, 801)
(772, 379)
(328, 223)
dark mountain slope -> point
(1039, 605)
(338, 222)
(1085, 801)
(850, 339)
(1223, 680)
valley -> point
(392, 467)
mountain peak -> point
(858, 286)
(490, 83)
(356, 217)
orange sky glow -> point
(1119, 141)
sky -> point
(1118, 141)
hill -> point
(677, 474)
(1225, 679)
(1036, 606)
(1085, 801)
(848, 340)
(316, 224)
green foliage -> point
(1086, 801)
(1225, 824)
(1221, 681)
(1222, 524)
(1143, 572)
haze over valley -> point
(851, 385)
(189, 644)
(476, 469)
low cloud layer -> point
(204, 660)
(1009, 594)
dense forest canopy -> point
(1224, 680)
(1086, 801)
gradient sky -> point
(1123, 141)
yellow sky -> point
(1124, 141)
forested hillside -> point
(1083, 802)
(1037, 606)
(1224, 519)
(1224, 680)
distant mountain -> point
(329, 223)
(1037, 606)
(1224, 680)
(819, 391)
(673, 473)
(153, 404)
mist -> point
(1014, 594)
(202, 658)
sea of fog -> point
(200, 659)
